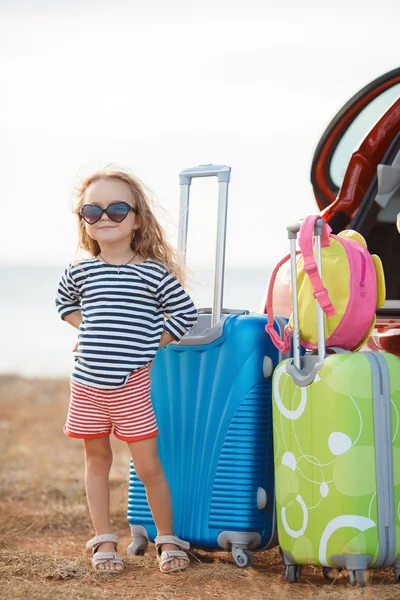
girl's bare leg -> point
(149, 470)
(98, 455)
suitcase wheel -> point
(331, 573)
(138, 546)
(243, 558)
(358, 577)
(292, 573)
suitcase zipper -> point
(363, 270)
(383, 459)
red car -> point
(360, 189)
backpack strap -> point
(310, 266)
(282, 345)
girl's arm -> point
(166, 338)
(178, 305)
(74, 318)
(68, 299)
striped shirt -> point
(122, 316)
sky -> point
(157, 87)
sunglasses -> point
(117, 211)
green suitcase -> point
(336, 422)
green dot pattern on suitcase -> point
(325, 460)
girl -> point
(118, 300)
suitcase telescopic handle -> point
(292, 235)
(223, 174)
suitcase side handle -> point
(222, 172)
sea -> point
(35, 342)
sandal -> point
(99, 558)
(168, 555)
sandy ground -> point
(44, 524)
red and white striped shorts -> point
(93, 411)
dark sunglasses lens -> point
(91, 213)
(118, 211)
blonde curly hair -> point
(149, 241)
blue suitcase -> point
(212, 398)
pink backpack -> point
(353, 286)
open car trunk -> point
(355, 176)
(367, 197)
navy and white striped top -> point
(122, 316)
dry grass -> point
(45, 523)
